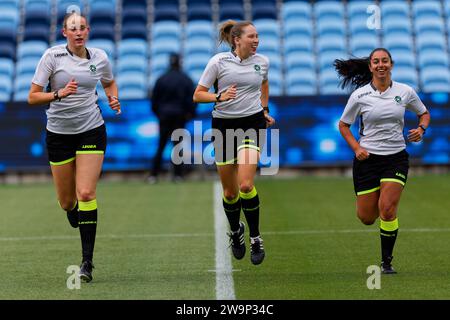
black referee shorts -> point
(236, 134)
(63, 148)
(368, 174)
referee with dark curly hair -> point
(76, 133)
(381, 162)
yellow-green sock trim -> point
(248, 195)
(232, 201)
(87, 205)
(389, 225)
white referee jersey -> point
(78, 112)
(381, 116)
(227, 69)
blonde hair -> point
(230, 29)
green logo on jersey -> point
(93, 68)
(398, 99)
(257, 68)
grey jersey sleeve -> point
(44, 69)
(210, 73)
(351, 111)
(107, 74)
(414, 103)
(266, 74)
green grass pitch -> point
(158, 242)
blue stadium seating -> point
(302, 46)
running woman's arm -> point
(265, 102)
(201, 94)
(36, 95)
(360, 153)
(112, 93)
(415, 135)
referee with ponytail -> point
(240, 80)
(380, 165)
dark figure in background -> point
(172, 104)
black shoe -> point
(257, 250)
(86, 271)
(237, 242)
(72, 216)
(386, 266)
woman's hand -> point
(361, 154)
(269, 120)
(228, 94)
(415, 135)
(70, 88)
(114, 104)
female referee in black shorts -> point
(76, 134)
(380, 166)
(241, 101)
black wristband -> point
(266, 109)
(423, 128)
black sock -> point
(232, 209)
(88, 227)
(388, 235)
(250, 206)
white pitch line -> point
(224, 269)
(193, 235)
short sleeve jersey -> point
(78, 112)
(227, 69)
(381, 116)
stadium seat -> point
(107, 45)
(231, 11)
(7, 67)
(264, 11)
(296, 11)
(298, 43)
(433, 58)
(300, 60)
(199, 45)
(199, 12)
(38, 33)
(267, 28)
(435, 79)
(132, 63)
(329, 10)
(166, 12)
(405, 75)
(103, 32)
(199, 28)
(8, 51)
(293, 28)
(301, 82)
(132, 46)
(134, 31)
(33, 49)
(429, 8)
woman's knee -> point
(388, 210)
(67, 203)
(367, 219)
(86, 194)
(246, 186)
(230, 194)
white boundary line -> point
(193, 235)
(224, 268)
